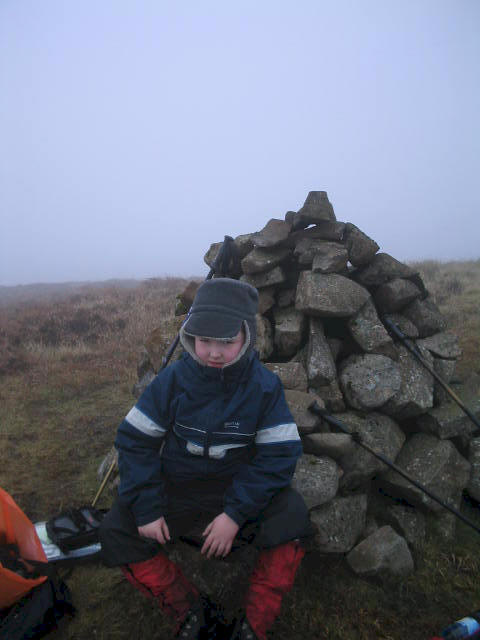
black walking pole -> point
(220, 267)
(395, 329)
(323, 413)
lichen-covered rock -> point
(316, 479)
(405, 325)
(381, 434)
(333, 445)
(292, 374)
(331, 257)
(244, 244)
(270, 278)
(369, 333)
(434, 463)
(442, 345)
(381, 269)
(383, 552)
(332, 396)
(290, 326)
(361, 248)
(329, 295)
(260, 260)
(395, 294)
(321, 368)
(273, 233)
(408, 521)
(299, 404)
(340, 523)
(445, 369)
(416, 391)
(426, 316)
(448, 420)
(369, 381)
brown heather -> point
(67, 365)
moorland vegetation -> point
(67, 367)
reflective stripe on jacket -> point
(200, 423)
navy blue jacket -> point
(201, 423)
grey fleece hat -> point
(220, 308)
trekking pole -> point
(416, 352)
(323, 413)
(219, 266)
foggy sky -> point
(134, 134)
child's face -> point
(218, 353)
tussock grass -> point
(67, 366)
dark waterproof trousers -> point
(284, 519)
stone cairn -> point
(323, 291)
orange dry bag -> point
(16, 529)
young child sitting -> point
(210, 443)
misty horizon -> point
(135, 135)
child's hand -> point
(158, 530)
(220, 535)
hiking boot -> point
(246, 632)
(200, 621)
(242, 630)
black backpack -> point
(39, 611)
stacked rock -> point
(324, 291)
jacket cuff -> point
(235, 516)
(146, 518)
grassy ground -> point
(66, 371)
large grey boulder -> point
(329, 295)
(299, 404)
(445, 369)
(330, 257)
(408, 521)
(316, 479)
(434, 463)
(332, 396)
(333, 445)
(426, 316)
(381, 434)
(273, 233)
(340, 523)
(270, 278)
(395, 294)
(292, 374)
(361, 248)
(321, 368)
(442, 345)
(290, 326)
(416, 391)
(369, 333)
(368, 381)
(405, 325)
(474, 459)
(381, 269)
(448, 420)
(383, 552)
(259, 260)
(244, 244)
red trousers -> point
(271, 579)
